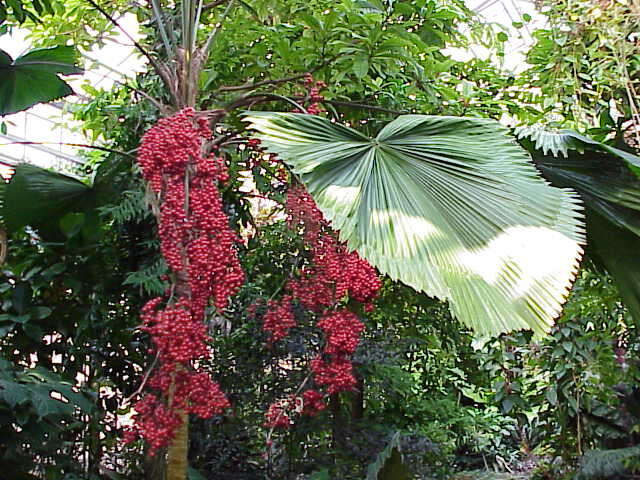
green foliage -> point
(585, 64)
(425, 202)
(34, 77)
(564, 391)
(598, 464)
(606, 179)
(41, 198)
(38, 410)
(21, 10)
(419, 375)
(388, 464)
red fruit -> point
(199, 245)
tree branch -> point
(364, 106)
(249, 100)
(157, 103)
(251, 86)
(210, 5)
(154, 63)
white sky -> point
(48, 124)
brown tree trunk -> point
(178, 451)
(357, 401)
(177, 455)
(337, 428)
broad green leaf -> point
(193, 474)
(40, 313)
(388, 464)
(21, 297)
(450, 206)
(562, 142)
(606, 179)
(44, 404)
(320, 475)
(361, 66)
(72, 223)
(13, 393)
(5, 329)
(619, 251)
(39, 197)
(34, 77)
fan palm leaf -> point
(450, 206)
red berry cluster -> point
(199, 246)
(312, 402)
(280, 412)
(162, 326)
(322, 286)
(336, 272)
(193, 392)
(342, 329)
(279, 318)
(336, 374)
(155, 422)
(314, 95)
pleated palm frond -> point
(564, 141)
(607, 180)
(40, 198)
(450, 206)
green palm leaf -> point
(40, 198)
(33, 77)
(563, 142)
(607, 180)
(450, 206)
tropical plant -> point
(584, 66)
(447, 205)
(607, 179)
(425, 202)
(34, 77)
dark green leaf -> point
(321, 475)
(388, 464)
(562, 142)
(40, 313)
(21, 297)
(71, 224)
(38, 197)
(193, 474)
(605, 178)
(34, 77)
(44, 404)
(361, 66)
(34, 332)
(5, 329)
(13, 393)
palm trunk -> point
(177, 461)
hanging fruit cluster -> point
(199, 247)
(333, 277)
(323, 287)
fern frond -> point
(148, 278)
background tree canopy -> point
(433, 399)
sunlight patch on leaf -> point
(451, 206)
